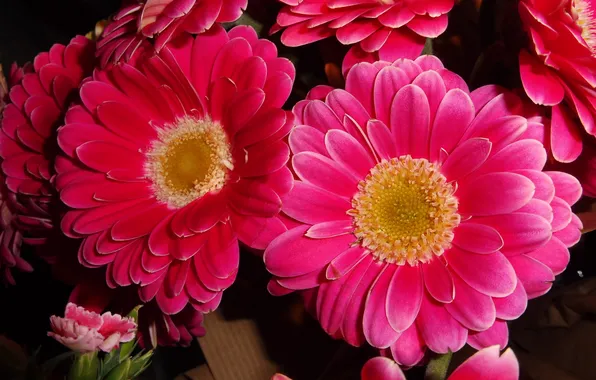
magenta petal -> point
(541, 85)
(409, 348)
(565, 135)
(381, 139)
(377, 330)
(554, 255)
(381, 368)
(521, 232)
(345, 261)
(471, 308)
(497, 334)
(221, 254)
(439, 330)
(410, 121)
(310, 204)
(523, 154)
(571, 234)
(567, 187)
(293, 254)
(330, 229)
(512, 306)
(466, 158)
(487, 365)
(347, 151)
(453, 116)
(438, 281)
(477, 238)
(324, 173)
(490, 274)
(536, 277)
(494, 193)
(404, 297)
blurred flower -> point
(170, 163)
(486, 364)
(383, 29)
(161, 20)
(85, 331)
(159, 329)
(559, 69)
(424, 214)
(38, 100)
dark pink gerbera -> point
(381, 29)
(169, 163)
(27, 137)
(558, 69)
(422, 212)
(161, 20)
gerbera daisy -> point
(486, 364)
(170, 163)
(424, 216)
(161, 20)
(557, 69)
(27, 138)
(378, 29)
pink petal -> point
(309, 204)
(293, 254)
(565, 135)
(345, 262)
(330, 229)
(541, 85)
(471, 308)
(497, 334)
(347, 151)
(410, 118)
(523, 154)
(377, 330)
(438, 281)
(304, 138)
(381, 368)
(536, 277)
(404, 297)
(490, 274)
(494, 193)
(486, 364)
(439, 330)
(477, 238)
(221, 254)
(409, 348)
(381, 139)
(466, 158)
(512, 306)
(387, 83)
(324, 173)
(567, 187)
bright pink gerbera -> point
(559, 68)
(86, 331)
(424, 216)
(162, 20)
(170, 163)
(486, 364)
(382, 29)
(27, 136)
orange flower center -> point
(405, 211)
(583, 14)
(189, 159)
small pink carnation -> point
(84, 331)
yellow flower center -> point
(405, 211)
(188, 160)
(583, 14)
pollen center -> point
(405, 211)
(583, 13)
(189, 159)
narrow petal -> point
(486, 364)
(404, 297)
(441, 332)
(477, 238)
(377, 330)
(438, 281)
(381, 368)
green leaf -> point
(126, 349)
(120, 372)
(85, 367)
(438, 366)
(134, 313)
(110, 361)
(49, 365)
(139, 364)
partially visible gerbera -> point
(423, 213)
(159, 329)
(486, 364)
(378, 29)
(170, 163)
(558, 69)
(27, 138)
(161, 21)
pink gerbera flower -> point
(424, 216)
(382, 29)
(558, 69)
(27, 141)
(486, 364)
(170, 163)
(161, 20)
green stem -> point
(438, 366)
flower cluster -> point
(413, 214)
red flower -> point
(161, 20)
(27, 137)
(382, 29)
(173, 161)
(559, 68)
